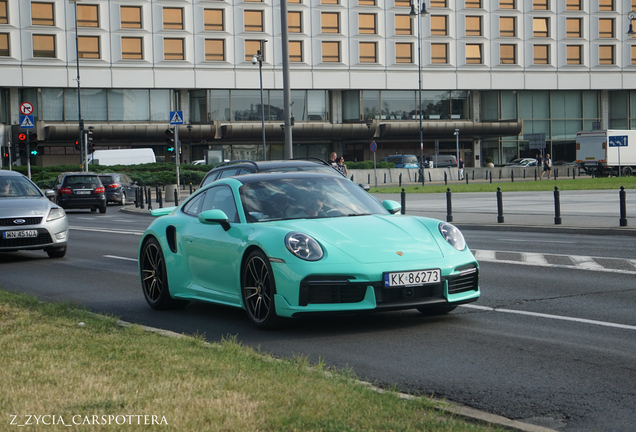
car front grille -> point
(468, 280)
(43, 238)
(28, 221)
(331, 290)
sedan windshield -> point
(306, 197)
(18, 187)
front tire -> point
(258, 289)
(56, 253)
(154, 278)
(123, 199)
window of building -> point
(506, 4)
(366, 2)
(330, 51)
(4, 44)
(130, 16)
(215, 49)
(541, 54)
(633, 51)
(173, 18)
(173, 49)
(439, 53)
(294, 1)
(330, 22)
(403, 25)
(42, 14)
(473, 26)
(253, 21)
(131, 48)
(507, 27)
(606, 27)
(606, 5)
(474, 54)
(573, 5)
(251, 49)
(606, 55)
(295, 51)
(540, 27)
(439, 26)
(329, 1)
(508, 54)
(87, 16)
(3, 12)
(368, 52)
(472, 3)
(438, 3)
(574, 56)
(403, 3)
(294, 22)
(573, 27)
(44, 46)
(213, 19)
(540, 4)
(253, 0)
(366, 23)
(403, 52)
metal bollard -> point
(512, 176)
(429, 177)
(190, 188)
(445, 178)
(156, 193)
(149, 192)
(159, 198)
(557, 206)
(473, 174)
(556, 173)
(466, 177)
(621, 195)
(369, 178)
(573, 174)
(384, 178)
(535, 174)
(499, 173)
(176, 197)
(449, 206)
(141, 198)
(400, 180)
(136, 197)
(500, 217)
(403, 201)
(490, 176)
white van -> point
(122, 156)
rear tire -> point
(436, 309)
(154, 277)
(627, 171)
(102, 209)
(56, 253)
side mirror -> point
(49, 193)
(215, 217)
(392, 206)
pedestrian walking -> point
(547, 165)
(461, 169)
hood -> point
(374, 238)
(23, 207)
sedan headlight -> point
(303, 246)
(452, 235)
(55, 213)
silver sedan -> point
(28, 220)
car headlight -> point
(303, 246)
(452, 235)
(55, 213)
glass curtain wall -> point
(620, 104)
(403, 105)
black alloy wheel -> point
(258, 290)
(154, 278)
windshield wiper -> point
(359, 214)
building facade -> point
(496, 70)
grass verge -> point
(518, 186)
(84, 370)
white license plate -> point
(412, 278)
(19, 234)
(82, 192)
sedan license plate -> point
(412, 278)
(82, 192)
(19, 234)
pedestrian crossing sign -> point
(26, 121)
(176, 117)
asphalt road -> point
(551, 342)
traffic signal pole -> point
(177, 150)
(28, 144)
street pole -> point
(421, 11)
(259, 58)
(177, 149)
(284, 35)
(457, 140)
(79, 98)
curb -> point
(555, 229)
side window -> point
(242, 171)
(221, 198)
(228, 173)
(209, 179)
(193, 207)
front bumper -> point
(88, 202)
(51, 235)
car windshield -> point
(305, 198)
(18, 187)
(106, 180)
(410, 160)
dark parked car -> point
(80, 190)
(120, 188)
(28, 220)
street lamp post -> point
(258, 58)
(419, 13)
(79, 100)
(456, 133)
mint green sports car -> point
(284, 245)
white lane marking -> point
(534, 241)
(120, 258)
(555, 317)
(113, 231)
(536, 259)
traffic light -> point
(22, 138)
(89, 141)
(170, 140)
(33, 143)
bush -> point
(369, 165)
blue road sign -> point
(176, 117)
(26, 121)
(374, 146)
(618, 141)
